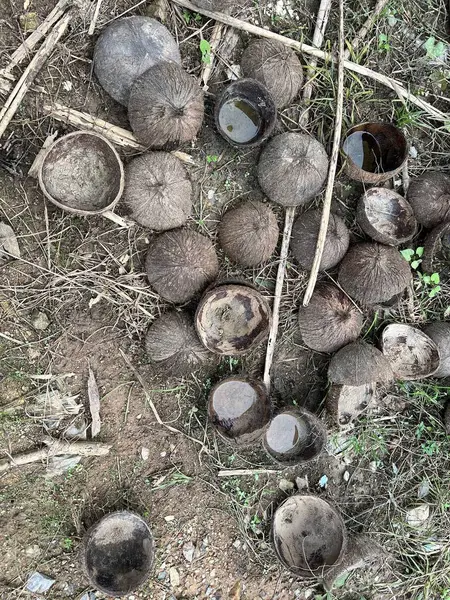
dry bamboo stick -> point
(207, 70)
(95, 17)
(365, 28)
(392, 84)
(24, 83)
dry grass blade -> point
(216, 37)
(95, 17)
(94, 403)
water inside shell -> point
(240, 120)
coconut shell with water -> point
(165, 107)
(127, 48)
(439, 332)
(180, 263)
(373, 273)
(359, 363)
(345, 403)
(330, 321)
(249, 233)
(158, 191)
(304, 240)
(429, 196)
(292, 169)
(275, 66)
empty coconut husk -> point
(436, 250)
(439, 332)
(359, 363)
(429, 196)
(347, 402)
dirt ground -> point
(78, 299)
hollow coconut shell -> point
(374, 273)
(173, 345)
(292, 169)
(439, 332)
(277, 67)
(345, 403)
(180, 263)
(240, 409)
(330, 321)
(436, 250)
(359, 363)
(386, 216)
(158, 191)
(126, 49)
(249, 233)
(232, 319)
(412, 353)
(304, 240)
(165, 107)
(429, 196)
(309, 535)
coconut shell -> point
(372, 273)
(345, 403)
(158, 191)
(436, 252)
(330, 321)
(439, 332)
(411, 353)
(292, 169)
(429, 196)
(165, 107)
(359, 363)
(180, 263)
(249, 233)
(386, 216)
(275, 66)
(223, 6)
(126, 49)
(304, 240)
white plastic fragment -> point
(38, 583)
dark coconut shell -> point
(118, 553)
(359, 363)
(347, 402)
(386, 216)
(304, 240)
(275, 66)
(436, 252)
(240, 409)
(172, 344)
(309, 535)
(126, 49)
(330, 321)
(429, 196)
(294, 436)
(232, 319)
(292, 169)
(249, 233)
(373, 273)
(439, 332)
(166, 106)
(411, 353)
(180, 263)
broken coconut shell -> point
(240, 409)
(292, 168)
(180, 263)
(304, 240)
(249, 233)
(294, 436)
(165, 107)
(309, 535)
(158, 191)
(429, 196)
(276, 67)
(372, 273)
(346, 402)
(439, 332)
(118, 553)
(126, 49)
(436, 251)
(82, 173)
(172, 344)
(330, 321)
(411, 352)
(386, 216)
(232, 319)
(359, 363)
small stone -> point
(40, 321)
(145, 453)
(302, 483)
(162, 575)
(174, 577)
(413, 152)
(189, 551)
(424, 489)
(163, 454)
(346, 476)
(285, 485)
(33, 551)
(237, 544)
(323, 482)
(169, 518)
(418, 516)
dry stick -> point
(392, 84)
(244, 472)
(95, 18)
(24, 83)
(365, 28)
(333, 163)
(216, 36)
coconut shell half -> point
(429, 196)
(304, 240)
(347, 402)
(439, 332)
(359, 363)
(436, 252)
(411, 353)
(373, 273)
(330, 321)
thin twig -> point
(359, 37)
(95, 17)
(244, 472)
(333, 163)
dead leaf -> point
(29, 22)
(236, 591)
(9, 248)
(94, 403)
(418, 516)
(53, 405)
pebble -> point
(174, 577)
(302, 483)
(145, 453)
(346, 476)
(189, 551)
(33, 551)
(161, 576)
(169, 518)
(40, 321)
(285, 485)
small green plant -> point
(383, 43)
(188, 17)
(429, 283)
(205, 49)
(430, 448)
(67, 544)
(404, 116)
(434, 48)
(211, 158)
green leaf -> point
(435, 278)
(419, 251)
(426, 279)
(205, 49)
(434, 49)
(415, 263)
(340, 581)
(434, 291)
(407, 254)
